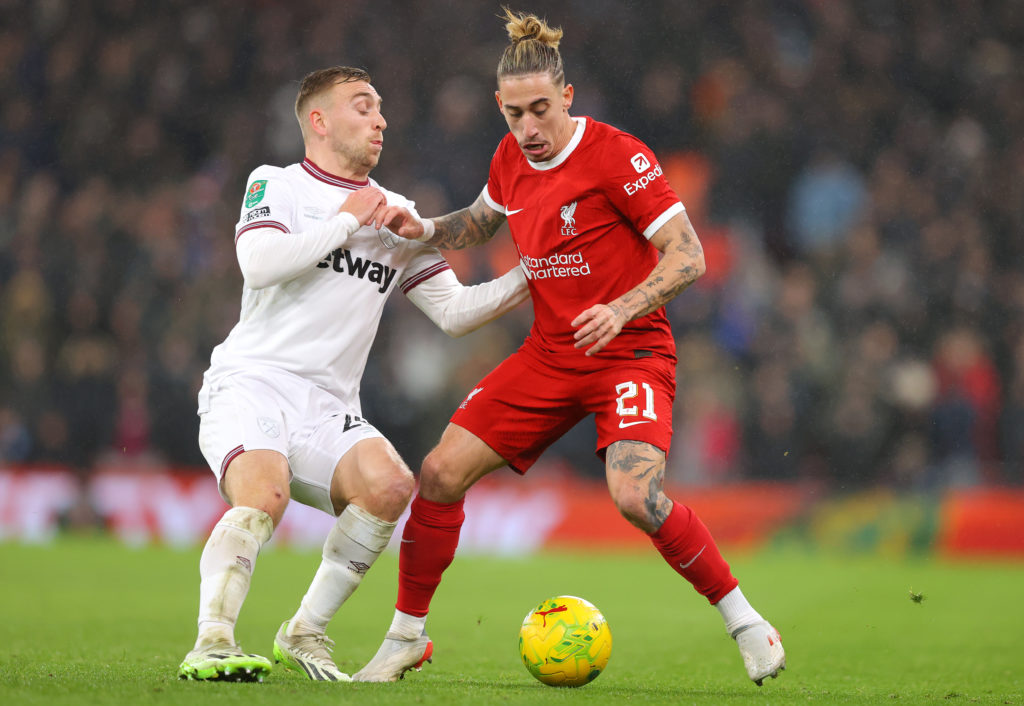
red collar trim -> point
(328, 178)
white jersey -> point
(320, 324)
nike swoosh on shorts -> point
(624, 424)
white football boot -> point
(395, 657)
(308, 653)
(761, 648)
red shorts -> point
(525, 404)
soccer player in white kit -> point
(279, 405)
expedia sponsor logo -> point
(640, 184)
(252, 215)
(343, 261)
(640, 162)
(555, 266)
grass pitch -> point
(88, 621)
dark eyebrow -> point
(535, 103)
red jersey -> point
(581, 223)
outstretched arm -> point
(680, 266)
(458, 309)
(464, 228)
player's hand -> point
(598, 325)
(363, 204)
(400, 221)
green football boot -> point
(223, 661)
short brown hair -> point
(533, 48)
(316, 82)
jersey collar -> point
(328, 178)
(581, 126)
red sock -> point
(689, 548)
(429, 541)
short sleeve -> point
(637, 186)
(268, 202)
(492, 190)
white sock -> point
(407, 627)
(225, 570)
(352, 545)
(736, 610)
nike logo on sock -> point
(695, 557)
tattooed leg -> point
(635, 471)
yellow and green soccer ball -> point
(565, 641)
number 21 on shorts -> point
(627, 403)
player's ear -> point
(497, 97)
(567, 94)
(317, 121)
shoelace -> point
(320, 640)
(326, 642)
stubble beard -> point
(356, 159)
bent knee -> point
(395, 488)
(388, 492)
(639, 510)
(259, 479)
(441, 479)
(271, 498)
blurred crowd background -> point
(855, 171)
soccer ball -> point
(565, 641)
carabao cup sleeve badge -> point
(254, 194)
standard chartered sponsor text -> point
(559, 265)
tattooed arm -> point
(467, 227)
(681, 264)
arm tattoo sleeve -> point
(467, 227)
(673, 273)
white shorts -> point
(276, 410)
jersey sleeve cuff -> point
(661, 220)
(491, 202)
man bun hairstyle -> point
(532, 49)
(316, 82)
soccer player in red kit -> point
(589, 211)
